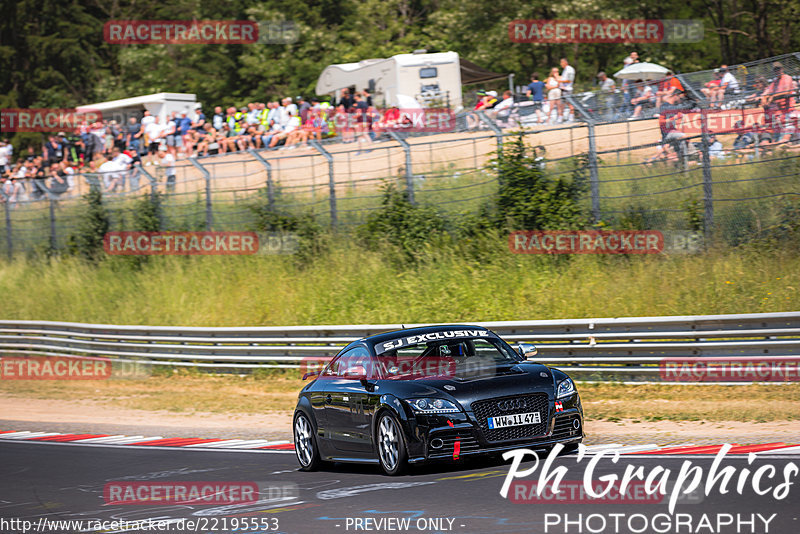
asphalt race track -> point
(66, 482)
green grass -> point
(187, 393)
(350, 286)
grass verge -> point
(245, 395)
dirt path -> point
(97, 417)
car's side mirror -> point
(356, 372)
(527, 350)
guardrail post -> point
(207, 176)
(708, 194)
(409, 173)
(331, 181)
(594, 180)
(268, 166)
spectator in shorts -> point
(567, 84)
(6, 153)
(58, 180)
(14, 190)
(668, 91)
(154, 133)
(218, 119)
(536, 93)
(553, 86)
(186, 133)
(209, 144)
(133, 133)
(606, 96)
(172, 134)
(778, 101)
(643, 97)
(167, 162)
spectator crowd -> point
(114, 156)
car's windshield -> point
(449, 357)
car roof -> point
(393, 334)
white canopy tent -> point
(158, 104)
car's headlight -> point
(565, 388)
(433, 406)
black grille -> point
(465, 437)
(531, 403)
(563, 427)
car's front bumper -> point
(456, 436)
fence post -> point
(331, 181)
(594, 180)
(9, 234)
(409, 173)
(708, 194)
(53, 240)
(268, 166)
(153, 180)
(497, 132)
(207, 176)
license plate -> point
(518, 419)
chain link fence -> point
(647, 173)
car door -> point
(347, 402)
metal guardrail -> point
(589, 345)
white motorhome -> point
(433, 80)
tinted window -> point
(428, 72)
(346, 364)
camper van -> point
(405, 80)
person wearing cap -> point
(489, 101)
(481, 94)
(167, 162)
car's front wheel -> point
(305, 443)
(391, 445)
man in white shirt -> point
(154, 132)
(567, 85)
(6, 153)
(147, 119)
(111, 172)
(167, 162)
(728, 86)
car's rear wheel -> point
(305, 443)
(391, 445)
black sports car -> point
(433, 393)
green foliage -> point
(93, 225)
(312, 238)
(148, 213)
(530, 200)
(408, 228)
(693, 215)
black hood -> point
(520, 378)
